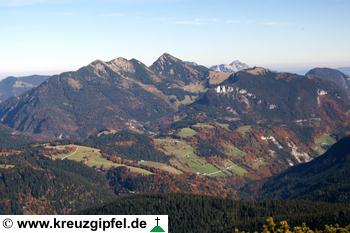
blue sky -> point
(51, 36)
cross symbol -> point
(157, 219)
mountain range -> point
(289, 118)
(124, 93)
(116, 94)
(176, 126)
(15, 86)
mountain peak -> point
(119, 60)
(98, 66)
(117, 65)
(179, 71)
(97, 62)
(233, 67)
(164, 61)
(236, 62)
(166, 57)
(121, 64)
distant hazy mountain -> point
(332, 75)
(234, 66)
(345, 70)
(327, 178)
(14, 86)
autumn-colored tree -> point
(283, 227)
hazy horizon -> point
(291, 68)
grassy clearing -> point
(237, 170)
(321, 141)
(244, 129)
(225, 126)
(195, 88)
(185, 158)
(161, 166)
(186, 133)
(93, 158)
(203, 126)
(6, 166)
(137, 170)
(218, 77)
(231, 150)
(228, 168)
(221, 173)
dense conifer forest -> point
(202, 214)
